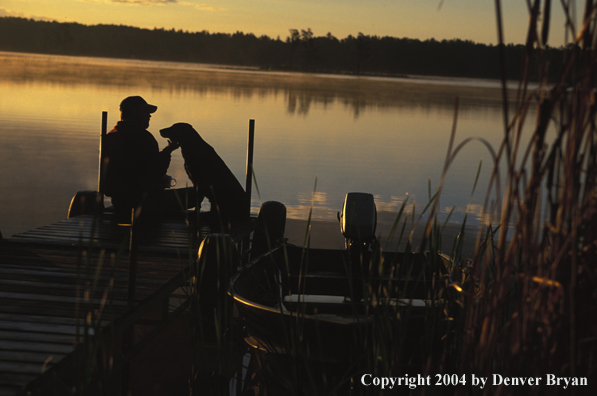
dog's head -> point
(180, 133)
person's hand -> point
(171, 146)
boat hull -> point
(307, 300)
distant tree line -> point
(301, 50)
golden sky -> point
(420, 19)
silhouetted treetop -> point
(301, 50)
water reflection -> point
(318, 136)
(301, 91)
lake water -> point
(317, 137)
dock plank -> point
(30, 357)
(24, 346)
(52, 278)
(36, 337)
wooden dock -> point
(65, 297)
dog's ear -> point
(187, 128)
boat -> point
(324, 303)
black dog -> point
(210, 175)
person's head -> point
(137, 110)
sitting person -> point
(135, 173)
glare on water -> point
(317, 136)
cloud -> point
(204, 7)
(201, 7)
(144, 2)
(9, 13)
(133, 2)
(207, 7)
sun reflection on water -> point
(378, 135)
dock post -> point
(248, 186)
(102, 166)
(249, 180)
(128, 337)
(133, 247)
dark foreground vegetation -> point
(522, 306)
(301, 50)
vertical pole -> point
(248, 187)
(133, 247)
(100, 173)
(128, 336)
(248, 184)
(100, 178)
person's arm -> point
(165, 155)
(171, 147)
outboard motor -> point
(358, 221)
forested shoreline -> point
(300, 51)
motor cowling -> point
(358, 219)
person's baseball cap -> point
(135, 102)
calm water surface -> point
(317, 136)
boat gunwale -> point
(341, 319)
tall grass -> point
(524, 303)
(528, 301)
(92, 366)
